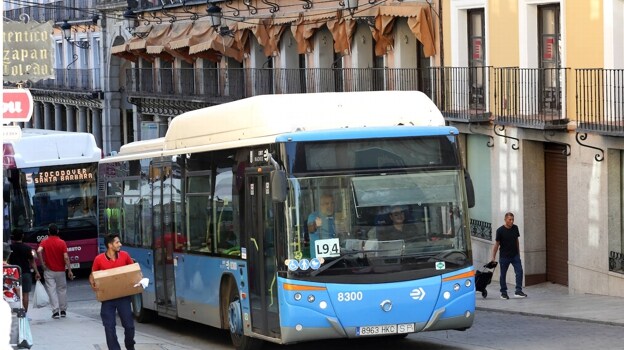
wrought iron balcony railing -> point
(211, 83)
(530, 97)
(461, 93)
(54, 11)
(600, 101)
(81, 80)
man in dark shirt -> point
(507, 239)
(22, 256)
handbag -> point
(40, 297)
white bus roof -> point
(260, 119)
(39, 147)
(142, 146)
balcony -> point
(84, 81)
(461, 93)
(220, 85)
(530, 97)
(600, 101)
(54, 11)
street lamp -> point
(66, 28)
(215, 14)
(351, 5)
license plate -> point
(75, 265)
(385, 329)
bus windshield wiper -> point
(333, 262)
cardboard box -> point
(118, 282)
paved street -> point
(564, 322)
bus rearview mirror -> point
(469, 190)
(278, 185)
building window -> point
(549, 59)
(476, 58)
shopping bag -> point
(25, 340)
(40, 298)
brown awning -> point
(179, 30)
(122, 52)
(306, 25)
(342, 31)
(419, 22)
(195, 35)
(118, 49)
(248, 23)
(268, 35)
(221, 43)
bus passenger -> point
(321, 223)
(112, 258)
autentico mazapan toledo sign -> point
(28, 51)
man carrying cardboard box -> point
(114, 258)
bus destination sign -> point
(57, 176)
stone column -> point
(58, 116)
(71, 117)
(36, 119)
(47, 116)
(96, 124)
(82, 119)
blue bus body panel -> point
(367, 133)
(144, 258)
(420, 303)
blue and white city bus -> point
(217, 211)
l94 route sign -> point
(17, 105)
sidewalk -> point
(546, 299)
(80, 332)
(554, 301)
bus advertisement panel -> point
(60, 188)
(288, 227)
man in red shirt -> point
(114, 257)
(52, 253)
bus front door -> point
(165, 238)
(261, 256)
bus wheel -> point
(141, 314)
(235, 320)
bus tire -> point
(235, 322)
(141, 314)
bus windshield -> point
(64, 195)
(378, 223)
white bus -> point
(51, 177)
(218, 215)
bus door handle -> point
(254, 242)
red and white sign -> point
(549, 47)
(17, 105)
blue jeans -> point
(504, 266)
(107, 312)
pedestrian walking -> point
(52, 253)
(112, 258)
(22, 256)
(509, 244)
